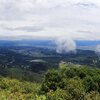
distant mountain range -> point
(87, 43)
(48, 43)
(26, 42)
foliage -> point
(12, 89)
(69, 82)
(72, 83)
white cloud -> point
(97, 50)
(78, 19)
(65, 45)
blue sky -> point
(50, 19)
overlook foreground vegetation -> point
(69, 82)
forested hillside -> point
(31, 63)
(35, 73)
(49, 49)
(69, 82)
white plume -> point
(65, 45)
(97, 50)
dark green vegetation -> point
(24, 74)
(72, 82)
(69, 82)
(23, 62)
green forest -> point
(68, 82)
(49, 49)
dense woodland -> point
(32, 73)
(23, 62)
(68, 82)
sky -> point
(50, 19)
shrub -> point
(89, 84)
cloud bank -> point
(78, 19)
